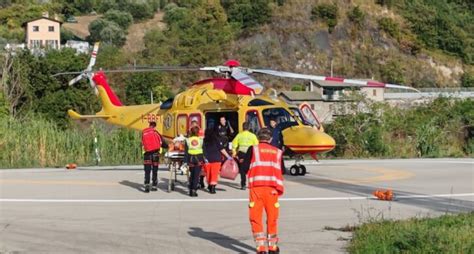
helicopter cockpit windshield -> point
(297, 114)
(280, 115)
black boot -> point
(277, 251)
(147, 188)
(213, 189)
(201, 182)
(193, 193)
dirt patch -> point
(81, 28)
(137, 31)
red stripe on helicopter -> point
(230, 86)
(334, 79)
(375, 84)
(311, 146)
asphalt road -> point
(103, 210)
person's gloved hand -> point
(206, 161)
(229, 157)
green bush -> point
(431, 130)
(121, 18)
(392, 72)
(389, 26)
(356, 16)
(444, 24)
(106, 5)
(328, 13)
(140, 11)
(107, 32)
(467, 79)
(248, 13)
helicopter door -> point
(310, 115)
(182, 124)
(254, 121)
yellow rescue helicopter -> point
(235, 95)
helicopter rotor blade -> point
(76, 79)
(346, 82)
(141, 69)
(245, 79)
(93, 56)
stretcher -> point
(175, 161)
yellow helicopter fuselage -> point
(205, 103)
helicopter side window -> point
(280, 115)
(259, 102)
(252, 118)
(195, 117)
(167, 104)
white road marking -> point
(6, 200)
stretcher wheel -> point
(294, 170)
(302, 170)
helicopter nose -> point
(306, 139)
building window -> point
(51, 28)
(374, 92)
(36, 28)
(35, 43)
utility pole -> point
(331, 68)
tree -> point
(140, 11)
(106, 5)
(389, 26)
(356, 16)
(96, 27)
(248, 13)
(467, 79)
(121, 18)
(107, 32)
(195, 36)
(140, 85)
(5, 3)
(392, 72)
(84, 6)
(328, 13)
(113, 34)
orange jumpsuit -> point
(212, 170)
(265, 185)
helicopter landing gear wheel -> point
(302, 170)
(294, 170)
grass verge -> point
(445, 234)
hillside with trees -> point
(419, 43)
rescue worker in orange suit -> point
(213, 149)
(263, 166)
(151, 141)
(240, 145)
(194, 158)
